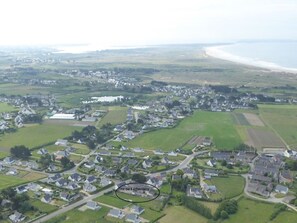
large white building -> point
(63, 116)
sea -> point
(280, 54)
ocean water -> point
(282, 54)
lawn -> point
(219, 126)
(86, 216)
(230, 186)
(4, 107)
(150, 207)
(36, 135)
(115, 115)
(177, 214)
(282, 119)
(21, 178)
(81, 149)
(9, 181)
(43, 207)
(258, 212)
(112, 200)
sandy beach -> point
(219, 53)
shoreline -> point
(217, 52)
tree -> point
(45, 160)
(224, 163)
(180, 172)
(21, 152)
(66, 163)
(224, 215)
(139, 178)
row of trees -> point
(196, 206)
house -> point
(100, 169)
(75, 177)
(61, 142)
(129, 135)
(119, 185)
(138, 150)
(172, 153)
(131, 155)
(42, 151)
(65, 196)
(116, 213)
(210, 172)
(211, 163)
(12, 171)
(210, 188)
(137, 209)
(52, 167)
(47, 191)
(132, 162)
(73, 186)
(147, 164)
(206, 141)
(194, 192)
(89, 187)
(158, 152)
(89, 164)
(154, 181)
(47, 198)
(21, 189)
(17, 217)
(93, 205)
(281, 189)
(60, 154)
(54, 178)
(258, 189)
(133, 218)
(2, 168)
(116, 160)
(191, 174)
(176, 177)
(165, 161)
(90, 179)
(34, 187)
(125, 169)
(285, 176)
(61, 183)
(104, 182)
(8, 160)
(289, 153)
(110, 173)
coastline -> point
(219, 53)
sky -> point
(144, 22)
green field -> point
(258, 212)
(282, 119)
(218, 125)
(4, 107)
(229, 187)
(177, 214)
(86, 216)
(115, 115)
(36, 135)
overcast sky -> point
(144, 22)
